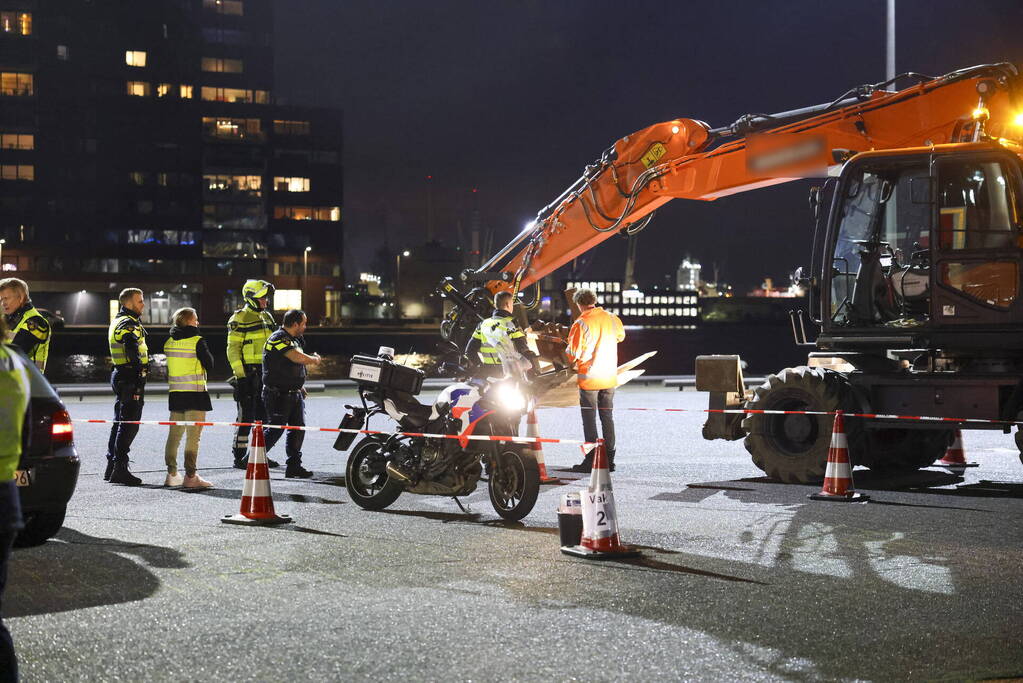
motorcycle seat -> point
(414, 413)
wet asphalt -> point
(739, 578)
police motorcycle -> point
(381, 467)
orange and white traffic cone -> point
(533, 431)
(838, 480)
(600, 519)
(257, 506)
(955, 457)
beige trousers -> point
(191, 434)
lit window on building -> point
(286, 299)
(231, 128)
(308, 213)
(291, 127)
(138, 177)
(251, 184)
(164, 89)
(222, 65)
(211, 94)
(17, 84)
(19, 23)
(63, 54)
(17, 172)
(235, 7)
(135, 58)
(185, 92)
(138, 88)
(291, 184)
(17, 141)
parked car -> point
(48, 472)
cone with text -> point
(600, 540)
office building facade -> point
(141, 144)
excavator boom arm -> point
(686, 158)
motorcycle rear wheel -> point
(370, 490)
(514, 482)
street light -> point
(2, 243)
(305, 267)
(397, 283)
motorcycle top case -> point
(383, 373)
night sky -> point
(515, 98)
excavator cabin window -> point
(881, 261)
(978, 233)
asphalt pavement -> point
(740, 578)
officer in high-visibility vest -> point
(498, 343)
(130, 355)
(29, 330)
(247, 332)
(16, 392)
(189, 361)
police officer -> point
(15, 389)
(247, 332)
(130, 355)
(283, 391)
(30, 331)
(498, 343)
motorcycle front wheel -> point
(514, 482)
(366, 479)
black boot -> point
(110, 468)
(121, 475)
(584, 467)
(294, 470)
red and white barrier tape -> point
(340, 430)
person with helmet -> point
(29, 330)
(498, 346)
(130, 355)
(247, 332)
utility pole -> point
(890, 43)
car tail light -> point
(62, 430)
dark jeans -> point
(130, 392)
(249, 397)
(285, 408)
(10, 522)
(599, 402)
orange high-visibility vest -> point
(593, 345)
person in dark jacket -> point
(129, 352)
(189, 361)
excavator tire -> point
(901, 450)
(794, 448)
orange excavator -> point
(914, 277)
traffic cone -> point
(257, 506)
(955, 457)
(838, 480)
(600, 520)
(533, 431)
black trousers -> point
(10, 522)
(130, 393)
(248, 395)
(285, 408)
(599, 403)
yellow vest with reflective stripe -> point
(184, 371)
(116, 335)
(16, 390)
(492, 328)
(41, 351)
(247, 332)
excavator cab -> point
(922, 245)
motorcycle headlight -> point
(509, 397)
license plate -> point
(24, 477)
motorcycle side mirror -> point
(815, 200)
(801, 277)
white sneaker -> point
(173, 479)
(196, 482)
